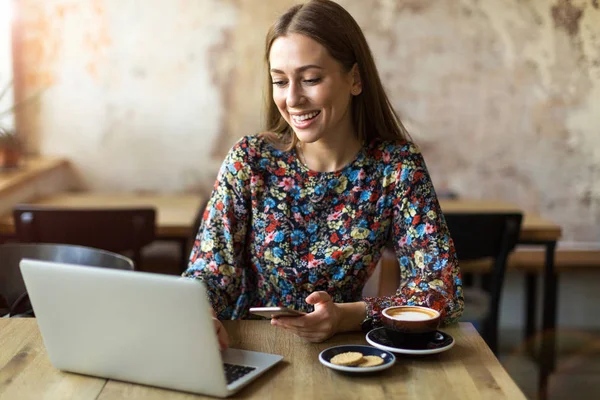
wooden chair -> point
(485, 235)
(172, 257)
(117, 230)
(12, 288)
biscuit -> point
(370, 361)
(347, 359)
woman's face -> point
(310, 88)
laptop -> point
(136, 327)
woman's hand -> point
(317, 326)
(221, 332)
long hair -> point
(333, 27)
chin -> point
(308, 137)
(307, 140)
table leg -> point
(530, 310)
(184, 255)
(548, 343)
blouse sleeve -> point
(217, 256)
(429, 273)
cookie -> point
(348, 359)
(370, 361)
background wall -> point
(503, 97)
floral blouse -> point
(274, 231)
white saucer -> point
(378, 338)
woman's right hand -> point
(221, 332)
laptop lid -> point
(131, 326)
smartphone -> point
(274, 312)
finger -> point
(310, 336)
(223, 339)
(307, 322)
(305, 330)
(222, 335)
(296, 321)
(278, 324)
(318, 297)
(223, 343)
(296, 330)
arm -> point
(429, 273)
(217, 254)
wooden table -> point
(467, 371)
(537, 231)
(533, 228)
(176, 214)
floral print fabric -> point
(274, 231)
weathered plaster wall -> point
(129, 92)
(503, 97)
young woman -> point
(299, 215)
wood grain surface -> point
(467, 371)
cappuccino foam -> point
(410, 316)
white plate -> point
(377, 338)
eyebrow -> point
(301, 69)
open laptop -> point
(137, 327)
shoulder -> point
(396, 152)
(256, 154)
(251, 149)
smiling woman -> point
(313, 94)
(320, 45)
(299, 214)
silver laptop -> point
(137, 327)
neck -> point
(330, 155)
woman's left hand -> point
(318, 325)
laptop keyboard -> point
(235, 372)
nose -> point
(295, 95)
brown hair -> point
(333, 27)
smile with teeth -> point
(305, 117)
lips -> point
(304, 120)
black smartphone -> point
(274, 312)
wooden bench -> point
(532, 261)
(386, 277)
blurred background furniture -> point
(116, 230)
(177, 219)
(171, 256)
(541, 233)
(478, 236)
(12, 287)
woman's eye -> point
(312, 81)
(279, 83)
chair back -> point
(487, 235)
(115, 230)
(12, 287)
